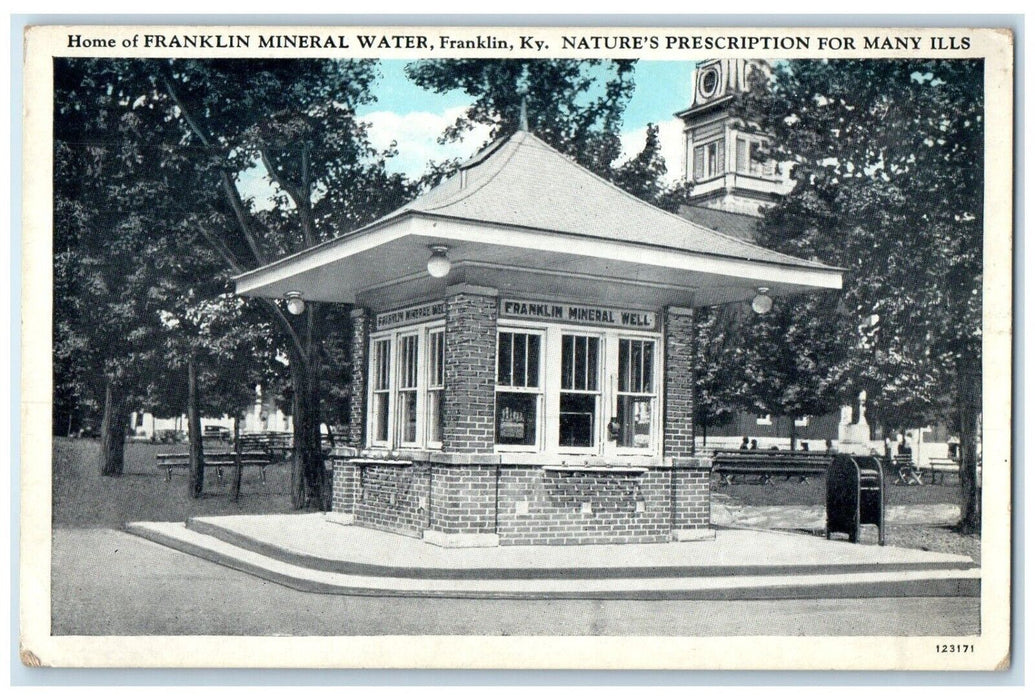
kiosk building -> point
(523, 354)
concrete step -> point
(230, 531)
(703, 585)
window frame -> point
(539, 391)
(393, 337)
(548, 427)
(751, 167)
(719, 144)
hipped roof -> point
(523, 218)
(523, 181)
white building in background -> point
(263, 416)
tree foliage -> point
(887, 159)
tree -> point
(887, 162)
(575, 106)
(788, 360)
(106, 326)
(643, 175)
(294, 122)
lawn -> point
(935, 538)
(794, 493)
(83, 498)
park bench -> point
(908, 471)
(940, 466)
(766, 464)
(219, 460)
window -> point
(407, 378)
(709, 160)
(567, 391)
(749, 160)
(580, 391)
(381, 371)
(406, 423)
(636, 395)
(518, 389)
(436, 382)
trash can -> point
(855, 496)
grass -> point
(83, 499)
(934, 538)
(793, 493)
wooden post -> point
(235, 486)
(196, 483)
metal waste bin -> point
(855, 496)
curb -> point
(339, 566)
(637, 588)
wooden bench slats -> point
(768, 463)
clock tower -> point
(720, 153)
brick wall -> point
(344, 487)
(393, 498)
(360, 336)
(469, 394)
(679, 382)
(526, 505)
(691, 494)
(463, 499)
(540, 507)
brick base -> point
(479, 505)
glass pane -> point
(381, 364)
(408, 416)
(648, 367)
(567, 362)
(533, 361)
(434, 416)
(520, 359)
(516, 418)
(408, 362)
(578, 420)
(436, 357)
(624, 365)
(380, 417)
(634, 421)
(503, 355)
(592, 364)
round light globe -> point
(762, 303)
(295, 303)
(438, 263)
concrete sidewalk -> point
(311, 552)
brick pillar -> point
(469, 399)
(691, 499)
(344, 489)
(361, 324)
(679, 382)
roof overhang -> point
(384, 265)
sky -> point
(415, 118)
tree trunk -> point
(794, 434)
(307, 473)
(235, 487)
(113, 431)
(968, 402)
(196, 482)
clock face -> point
(708, 83)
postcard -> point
(517, 347)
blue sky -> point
(415, 117)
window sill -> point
(569, 461)
(595, 469)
